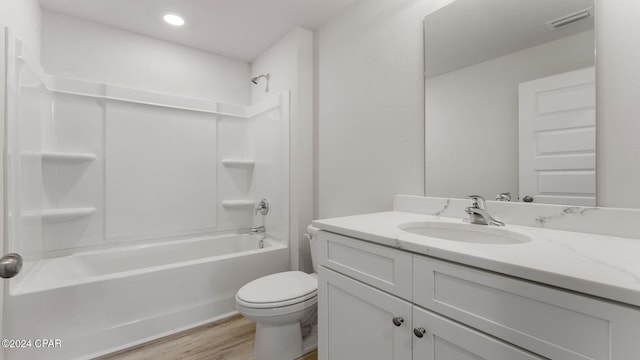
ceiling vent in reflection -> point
(570, 19)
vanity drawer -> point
(553, 323)
(384, 268)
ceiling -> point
(240, 29)
(468, 32)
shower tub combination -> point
(126, 243)
(98, 302)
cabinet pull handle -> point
(419, 332)
(398, 320)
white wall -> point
(23, 19)
(290, 64)
(618, 110)
(370, 117)
(472, 117)
(88, 51)
(369, 113)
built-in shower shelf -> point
(238, 163)
(238, 204)
(60, 215)
(67, 158)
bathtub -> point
(97, 302)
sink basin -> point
(464, 232)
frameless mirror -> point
(510, 100)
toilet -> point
(282, 305)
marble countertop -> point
(600, 265)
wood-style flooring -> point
(226, 339)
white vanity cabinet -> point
(377, 302)
(358, 320)
(361, 322)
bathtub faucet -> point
(257, 230)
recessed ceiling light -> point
(174, 19)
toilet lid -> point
(280, 287)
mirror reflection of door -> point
(557, 138)
(477, 53)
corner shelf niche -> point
(61, 215)
(67, 158)
(238, 204)
(238, 163)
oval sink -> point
(469, 233)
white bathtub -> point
(102, 301)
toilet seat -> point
(279, 290)
(282, 311)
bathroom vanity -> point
(389, 289)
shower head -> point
(256, 79)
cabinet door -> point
(444, 339)
(356, 321)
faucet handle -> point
(263, 207)
(477, 201)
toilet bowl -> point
(278, 304)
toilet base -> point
(309, 343)
(278, 342)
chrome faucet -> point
(505, 196)
(257, 230)
(478, 213)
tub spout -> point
(257, 230)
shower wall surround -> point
(96, 165)
(290, 63)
